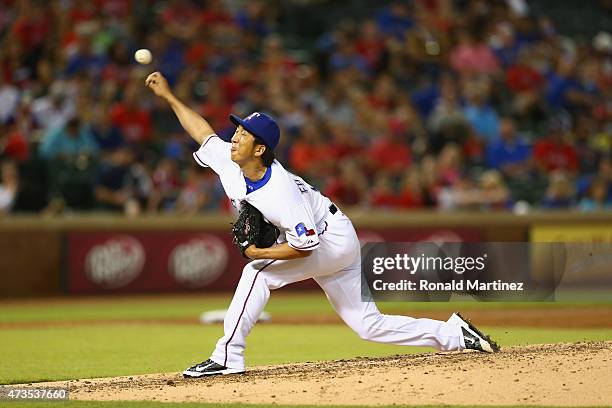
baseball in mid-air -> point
(143, 56)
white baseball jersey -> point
(307, 222)
(283, 198)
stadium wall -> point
(98, 254)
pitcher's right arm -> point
(197, 127)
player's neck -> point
(254, 170)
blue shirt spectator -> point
(484, 120)
(425, 98)
(394, 20)
(68, 141)
(502, 152)
(558, 87)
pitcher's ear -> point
(260, 150)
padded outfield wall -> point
(108, 254)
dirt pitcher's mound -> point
(559, 374)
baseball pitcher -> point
(291, 232)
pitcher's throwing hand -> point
(158, 84)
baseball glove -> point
(251, 229)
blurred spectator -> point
(411, 191)
(9, 99)
(68, 141)
(415, 92)
(216, 108)
(346, 57)
(85, 60)
(54, 110)
(122, 184)
(13, 143)
(504, 45)
(349, 187)
(382, 194)
(9, 185)
(344, 144)
(493, 191)
(166, 184)
(560, 192)
(394, 19)
(472, 55)
(490, 193)
(198, 192)
(479, 112)
(107, 135)
(131, 118)
(586, 150)
(522, 77)
(370, 46)
(555, 152)
(449, 166)
(567, 90)
(253, 18)
(525, 82)
(335, 106)
(390, 154)
(31, 26)
(430, 180)
(447, 122)
(598, 197)
(309, 155)
(509, 153)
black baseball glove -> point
(251, 229)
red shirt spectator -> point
(370, 45)
(217, 114)
(196, 53)
(522, 78)
(342, 193)
(344, 144)
(409, 199)
(232, 88)
(305, 157)
(216, 109)
(82, 13)
(384, 199)
(382, 194)
(32, 28)
(134, 122)
(16, 147)
(390, 155)
(552, 154)
(340, 150)
(117, 8)
(215, 14)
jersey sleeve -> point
(301, 232)
(214, 153)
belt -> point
(333, 209)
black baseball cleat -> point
(209, 367)
(473, 338)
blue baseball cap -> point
(261, 125)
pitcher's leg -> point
(252, 294)
(250, 298)
(343, 290)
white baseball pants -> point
(336, 266)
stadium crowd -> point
(467, 104)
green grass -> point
(58, 353)
(190, 306)
(32, 354)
